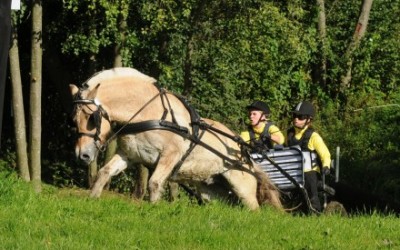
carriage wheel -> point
(335, 207)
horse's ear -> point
(93, 93)
(74, 89)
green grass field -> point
(68, 219)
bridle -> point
(97, 114)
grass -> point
(68, 219)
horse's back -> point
(111, 75)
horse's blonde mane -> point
(113, 73)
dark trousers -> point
(311, 185)
(5, 30)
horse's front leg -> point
(115, 166)
(163, 170)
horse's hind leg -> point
(117, 164)
(244, 186)
(218, 189)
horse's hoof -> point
(94, 195)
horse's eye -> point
(91, 120)
(91, 123)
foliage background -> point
(223, 55)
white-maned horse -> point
(158, 129)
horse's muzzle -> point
(85, 158)
(86, 155)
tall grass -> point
(66, 219)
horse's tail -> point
(267, 192)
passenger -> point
(262, 133)
(303, 134)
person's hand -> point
(266, 138)
(326, 170)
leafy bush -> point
(367, 132)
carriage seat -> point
(289, 159)
(292, 161)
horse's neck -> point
(141, 102)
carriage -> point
(160, 130)
(285, 167)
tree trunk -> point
(188, 83)
(322, 37)
(5, 29)
(36, 95)
(92, 68)
(122, 28)
(359, 33)
(18, 107)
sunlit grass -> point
(68, 219)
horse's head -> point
(92, 122)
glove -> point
(326, 170)
(266, 138)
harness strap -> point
(94, 136)
(182, 131)
(194, 116)
(303, 141)
(187, 153)
(236, 163)
(120, 128)
(138, 127)
(206, 126)
(162, 96)
(244, 146)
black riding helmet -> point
(259, 105)
(304, 108)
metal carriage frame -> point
(285, 167)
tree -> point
(359, 33)
(322, 37)
(5, 30)
(118, 62)
(36, 95)
(18, 107)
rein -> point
(121, 128)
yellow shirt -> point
(273, 129)
(316, 143)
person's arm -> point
(245, 136)
(276, 135)
(317, 143)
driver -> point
(261, 133)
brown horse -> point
(158, 129)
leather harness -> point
(196, 124)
